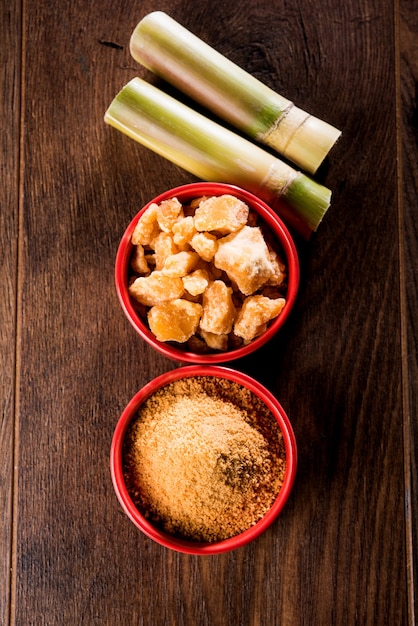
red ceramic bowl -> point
(184, 194)
(116, 461)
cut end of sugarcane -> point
(302, 138)
(309, 199)
(312, 142)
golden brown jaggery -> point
(176, 320)
(224, 214)
(245, 257)
(139, 263)
(169, 212)
(205, 245)
(183, 231)
(180, 264)
(156, 288)
(147, 227)
(164, 247)
(255, 313)
(196, 282)
(218, 308)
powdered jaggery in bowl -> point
(203, 459)
(206, 273)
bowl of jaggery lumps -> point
(203, 459)
(206, 273)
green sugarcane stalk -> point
(214, 153)
(175, 54)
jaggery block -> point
(205, 245)
(254, 315)
(156, 288)
(169, 212)
(196, 201)
(215, 341)
(245, 257)
(180, 264)
(176, 320)
(147, 227)
(183, 231)
(279, 269)
(224, 214)
(164, 247)
(196, 282)
(139, 263)
(218, 309)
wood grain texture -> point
(409, 95)
(10, 57)
(337, 555)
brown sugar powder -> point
(204, 458)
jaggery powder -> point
(204, 458)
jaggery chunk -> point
(139, 263)
(205, 245)
(196, 201)
(245, 257)
(218, 309)
(254, 315)
(156, 288)
(215, 341)
(196, 282)
(183, 231)
(224, 214)
(176, 320)
(180, 264)
(164, 247)
(169, 212)
(279, 270)
(147, 227)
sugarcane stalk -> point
(213, 153)
(178, 56)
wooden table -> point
(345, 367)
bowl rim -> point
(188, 191)
(163, 538)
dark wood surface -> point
(345, 367)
